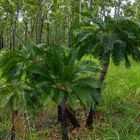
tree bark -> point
(104, 70)
(63, 120)
(39, 32)
(13, 128)
(90, 2)
(70, 32)
(70, 38)
(15, 25)
(48, 34)
(26, 30)
(70, 115)
(33, 27)
(1, 39)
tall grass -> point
(120, 109)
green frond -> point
(50, 73)
(120, 37)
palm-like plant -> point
(116, 38)
(65, 80)
(12, 85)
(55, 73)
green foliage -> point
(41, 72)
(120, 37)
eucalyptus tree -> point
(11, 12)
(5, 10)
(118, 39)
(131, 9)
(30, 20)
(136, 8)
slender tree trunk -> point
(26, 30)
(10, 34)
(42, 24)
(63, 121)
(70, 38)
(80, 10)
(1, 39)
(7, 38)
(39, 23)
(115, 10)
(13, 128)
(10, 41)
(33, 27)
(36, 33)
(70, 28)
(15, 25)
(13, 37)
(48, 34)
(104, 70)
(90, 2)
(119, 8)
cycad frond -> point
(119, 36)
(51, 72)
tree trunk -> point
(39, 23)
(63, 120)
(7, 38)
(33, 28)
(80, 10)
(26, 30)
(10, 44)
(90, 2)
(13, 38)
(13, 128)
(70, 32)
(91, 114)
(42, 24)
(70, 38)
(15, 25)
(1, 39)
(26, 124)
(70, 115)
(48, 34)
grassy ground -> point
(121, 105)
(117, 117)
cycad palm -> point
(12, 86)
(116, 38)
(52, 72)
(66, 80)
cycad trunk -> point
(63, 121)
(13, 128)
(70, 115)
(104, 70)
